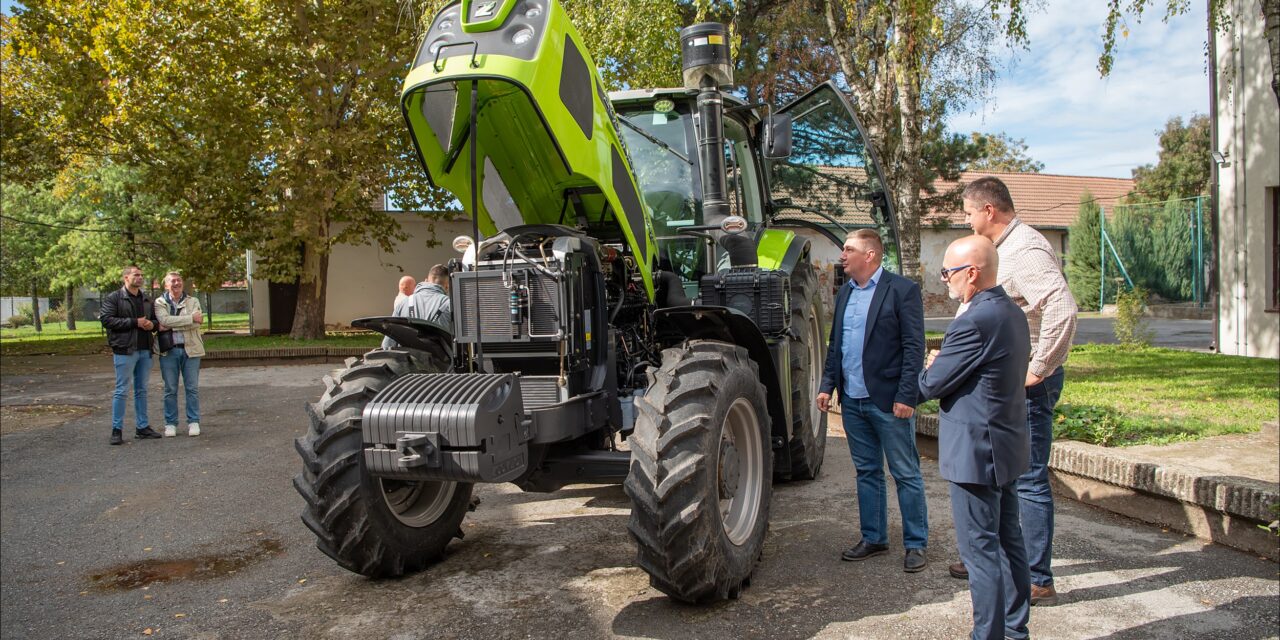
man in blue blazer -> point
(983, 442)
(875, 354)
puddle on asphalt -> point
(207, 567)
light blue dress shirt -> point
(855, 329)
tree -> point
(1219, 18)
(906, 63)
(109, 222)
(1084, 259)
(26, 232)
(1184, 164)
(999, 153)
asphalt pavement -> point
(1195, 335)
(201, 538)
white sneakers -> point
(193, 429)
(170, 431)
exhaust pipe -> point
(707, 66)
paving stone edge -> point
(1234, 495)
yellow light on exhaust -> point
(462, 243)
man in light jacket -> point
(180, 312)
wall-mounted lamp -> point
(1221, 159)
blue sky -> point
(1076, 123)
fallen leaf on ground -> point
(179, 615)
(147, 631)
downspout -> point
(1213, 187)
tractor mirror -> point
(777, 132)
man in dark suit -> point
(875, 354)
(983, 442)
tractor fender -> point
(414, 333)
(798, 249)
(676, 324)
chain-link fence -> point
(1158, 246)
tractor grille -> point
(545, 306)
(539, 391)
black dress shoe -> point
(143, 434)
(958, 571)
(862, 551)
(914, 561)
(116, 437)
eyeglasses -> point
(946, 273)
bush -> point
(23, 318)
(56, 315)
(1131, 327)
(1086, 423)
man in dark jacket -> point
(877, 348)
(129, 319)
(983, 443)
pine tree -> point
(1083, 260)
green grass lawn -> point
(1119, 396)
(89, 338)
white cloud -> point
(1077, 123)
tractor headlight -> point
(462, 243)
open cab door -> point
(832, 182)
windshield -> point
(663, 174)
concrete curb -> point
(277, 354)
(1224, 509)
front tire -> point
(701, 469)
(372, 526)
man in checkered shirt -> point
(1031, 274)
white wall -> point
(1249, 133)
(362, 279)
(9, 306)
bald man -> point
(983, 443)
(406, 289)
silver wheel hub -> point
(417, 504)
(815, 375)
(740, 471)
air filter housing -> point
(704, 50)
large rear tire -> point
(808, 353)
(701, 471)
(372, 526)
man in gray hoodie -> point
(430, 301)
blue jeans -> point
(1034, 493)
(990, 542)
(875, 437)
(137, 366)
(172, 364)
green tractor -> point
(633, 305)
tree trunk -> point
(308, 315)
(70, 307)
(35, 307)
(907, 189)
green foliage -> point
(1184, 166)
(1131, 325)
(25, 236)
(999, 153)
(56, 315)
(22, 318)
(1083, 257)
(1087, 423)
(1157, 243)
